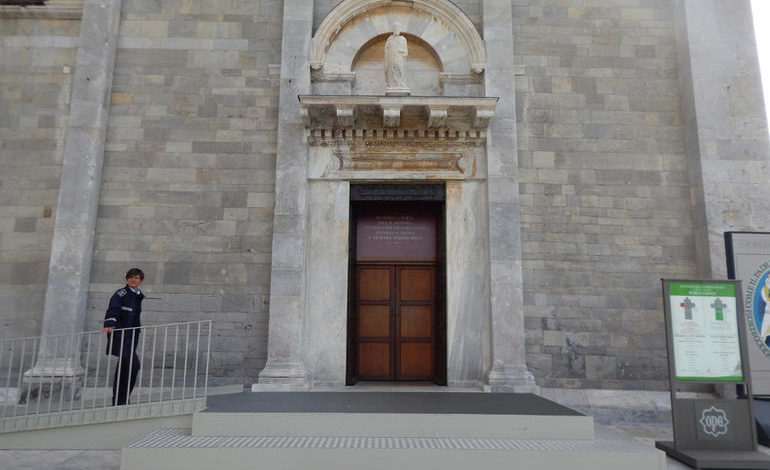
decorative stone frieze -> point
(383, 137)
(395, 155)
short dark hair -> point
(135, 272)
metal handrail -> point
(65, 379)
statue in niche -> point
(395, 63)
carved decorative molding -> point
(439, 112)
(391, 115)
(460, 78)
(437, 116)
(52, 9)
(397, 192)
(375, 138)
(345, 116)
(481, 117)
(320, 76)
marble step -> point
(389, 424)
(521, 416)
(172, 449)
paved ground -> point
(59, 459)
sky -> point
(762, 29)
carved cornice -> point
(318, 111)
(51, 10)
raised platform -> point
(387, 430)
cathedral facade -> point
(478, 193)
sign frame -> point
(710, 433)
(748, 259)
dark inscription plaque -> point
(390, 232)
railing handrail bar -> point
(99, 331)
(50, 378)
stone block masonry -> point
(604, 188)
(190, 171)
(35, 87)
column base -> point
(281, 376)
(52, 376)
(510, 379)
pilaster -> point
(509, 368)
(285, 368)
(726, 133)
(69, 271)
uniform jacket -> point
(124, 311)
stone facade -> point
(607, 164)
(604, 187)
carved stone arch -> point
(441, 24)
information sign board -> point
(704, 326)
(706, 343)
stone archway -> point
(439, 23)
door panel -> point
(374, 360)
(374, 284)
(374, 309)
(416, 283)
(374, 321)
(415, 315)
(416, 321)
(416, 361)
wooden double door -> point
(396, 321)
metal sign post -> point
(706, 344)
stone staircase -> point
(388, 430)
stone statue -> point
(395, 63)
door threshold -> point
(411, 386)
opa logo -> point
(714, 421)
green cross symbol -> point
(718, 307)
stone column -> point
(69, 272)
(509, 367)
(285, 368)
(726, 134)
